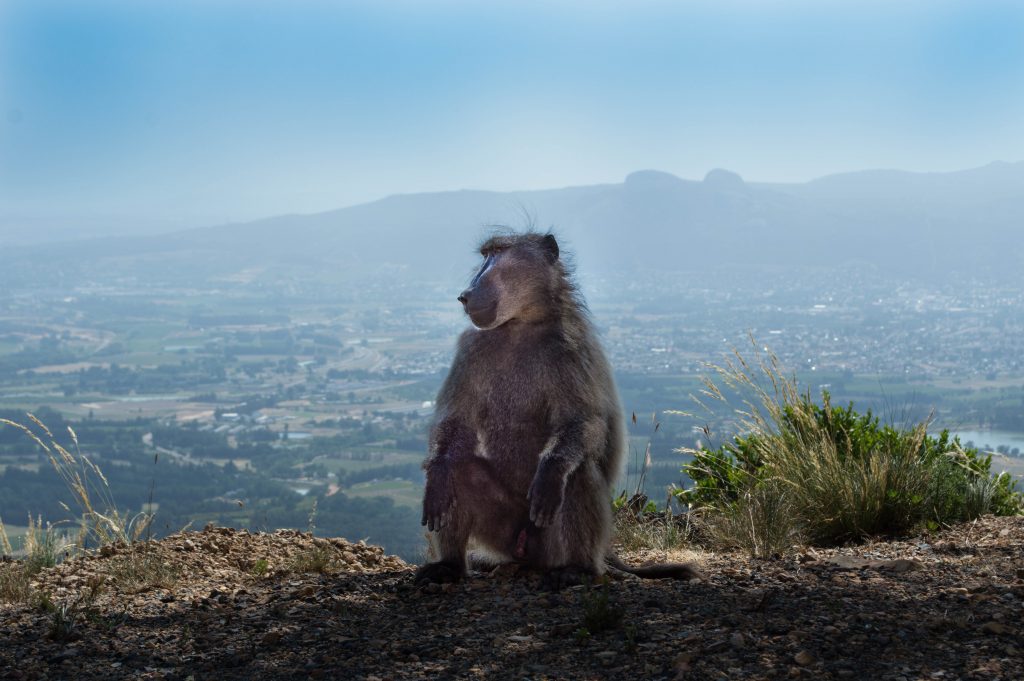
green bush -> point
(844, 475)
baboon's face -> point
(512, 282)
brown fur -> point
(528, 435)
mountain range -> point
(922, 224)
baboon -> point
(528, 435)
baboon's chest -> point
(516, 402)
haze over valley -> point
(305, 350)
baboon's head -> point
(515, 281)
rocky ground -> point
(225, 604)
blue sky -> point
(202, 112)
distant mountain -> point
(926, 224)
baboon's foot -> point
(482, 562)
(439, 573)
(560, 578)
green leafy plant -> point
(260, 567)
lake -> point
(990, 440)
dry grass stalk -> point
(99, 520)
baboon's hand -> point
(438, 501)
(546, 494)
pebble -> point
(803, 658)
(994, 628)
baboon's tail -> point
(657, 570)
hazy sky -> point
(201, 112)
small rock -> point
(715, 646)
(994, 628)
(683, 662)
(504, 571)
(271, 638)
(848, 562)
(560, 630)
(737, 640)
(900, 565)
(803, 658)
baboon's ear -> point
(550, 246)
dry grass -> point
(319, 558)
(660, 531)
(761, 522)
(141, 567)
(97, 522)
(5, 541)
(98, 518)
(43, 548)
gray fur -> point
(528, 434)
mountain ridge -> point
(929, 223)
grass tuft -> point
(43, 548)
(640, 526)
(99, 520)
(141, 568)
(318, 558)
(826, 473)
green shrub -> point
(837, 474)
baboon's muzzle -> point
(482, 310)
